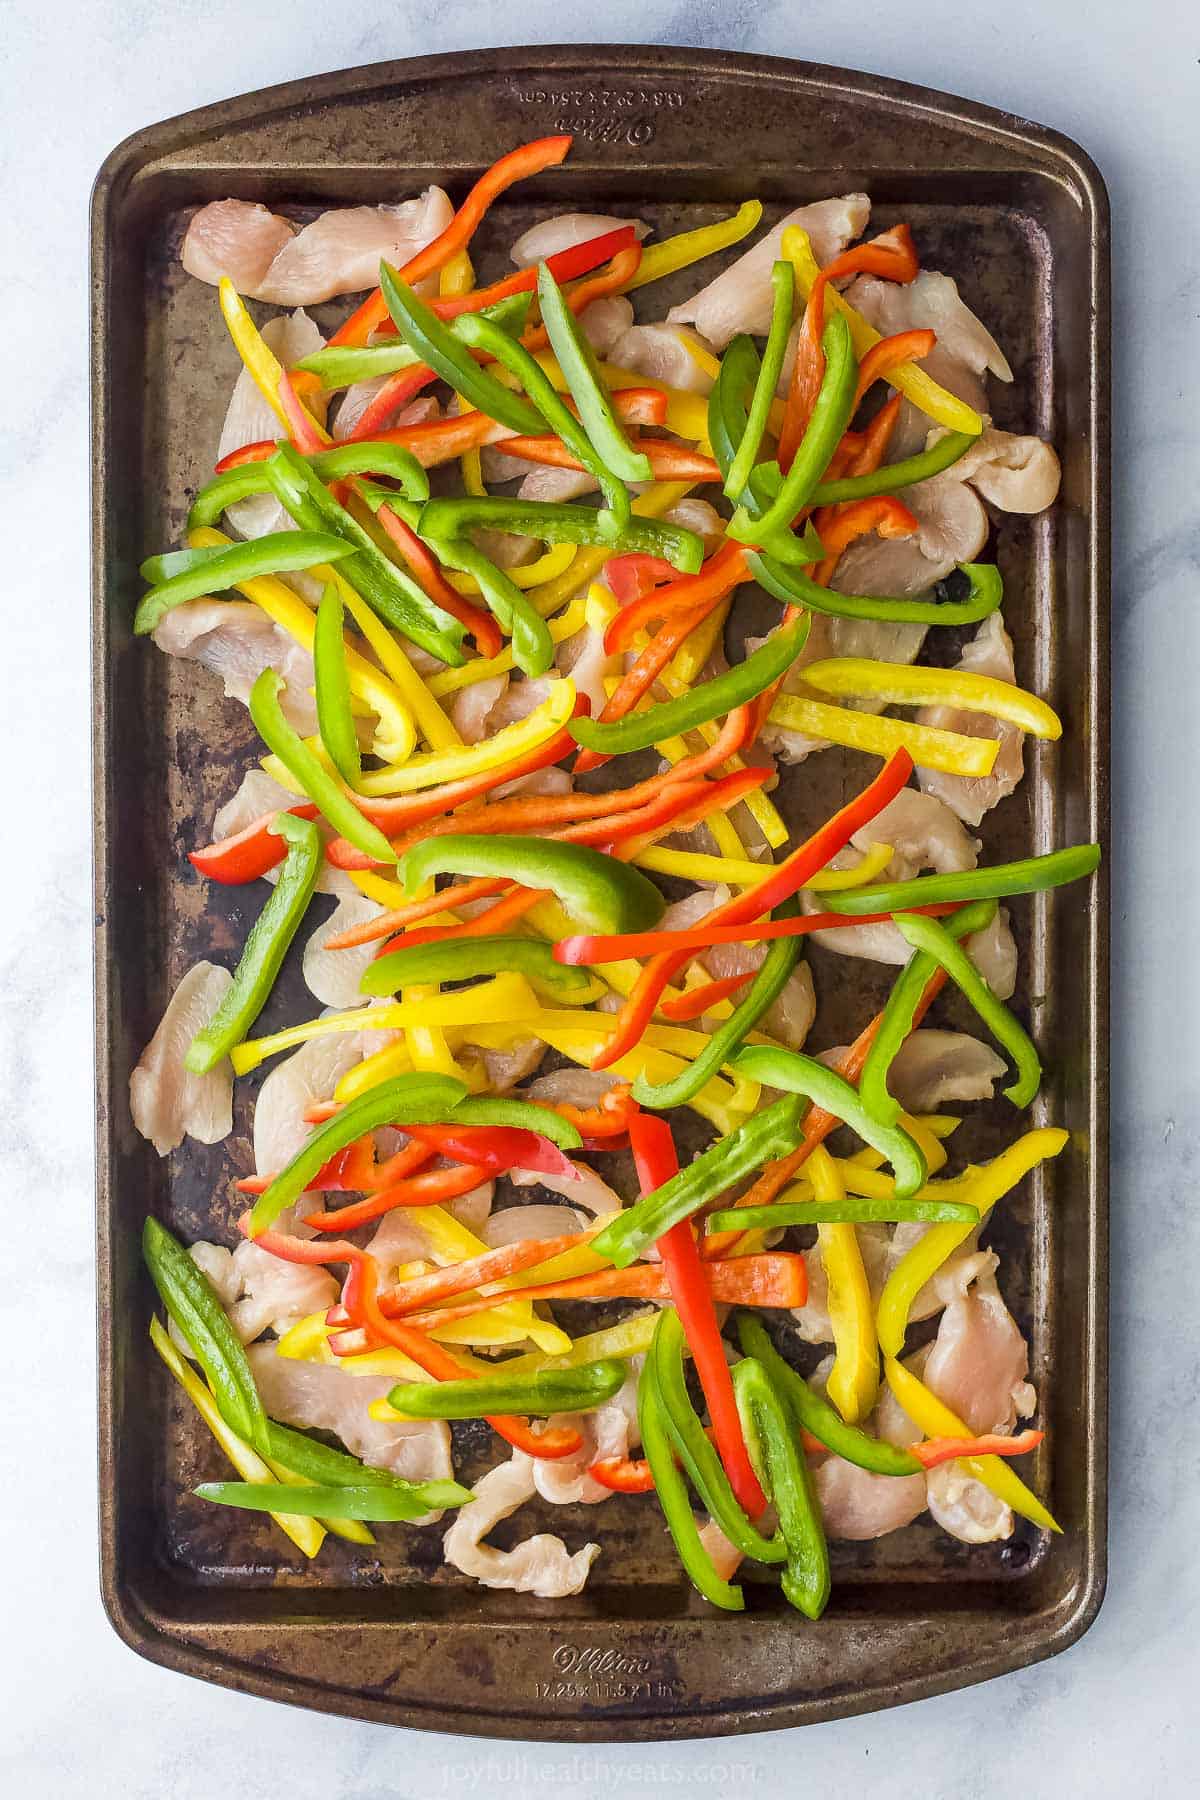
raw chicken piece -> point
(605, 320)
(953, 529)
(812, 1319)
(540, 1565)
(965, 1508)
(566, 230)
(504, 1068)
(704, 519)
(257, 795)
(859, 1505)
(237, 641)
(660, 353)
(725, 1556)
(324, 1397)
(560, 485)
(990, 652)
(248, 420)
(517, 1224)
(584, 658)
(994, 953)
(261, 1292)
(339, 253)
(332, 976)
(979, 1361)
(358, 397)
(540, 781)
(298, 1082)
(519, 699)
(166, 1102)
(607, 1431)
(740, 298)
(577, 1087)
(471, 706)
(933, 1069)
(1017, 474)
(590, 1191)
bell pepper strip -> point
(630, 1336)
(249, 853)
(765, 1416)
(938, 1421)
(697, 1001)
(433, 1187)
(645, 671)
(795, 1073)
(464, 893)
(423, 1099)
(700, 1460)
(1030, 875)
(577, 362)
(765, 1135)
(478, 1271)
(187, 574)
(632, 577)
(517, 165)
(783, 284)
(465, 761)
(668, 461)
(438, 347)
(374, 1503)
(502, 1110)
(592, 887)
(573, 1390)
(437, 730)
(723, 572)
(395, 595)
(898, 685)
(928, 745)
(564, 265)
(689, 247)
(859, 1210)
(560, 523)
(335, 463)
(671, 1489)
(792, 585)
(928, 935)
(611, 280)
(695, 1320)
(982, 1187)
(458, 960)
(893, 478)
(192, 1302)
(623, 1474)
(322, 788)
(891, 353)
(727, 417)
(884, 515)
(853, 1382)
(493, 919)
(532, 644)
(265, 947)
(260, 362)
(934, 1451)
(335, 718)
(341, 366)
(394, 394)
(830, 417)
(428, 573)
(325, 1466)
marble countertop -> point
(1117, 1713)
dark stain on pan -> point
(1019, 216)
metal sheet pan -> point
(1019, 215)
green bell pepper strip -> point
(341, 365)
(591, 886)
(671, 1490)
(519, 1115)
(1030, 875)
(322, 789)
(796, 1073)
(577, 361)
(931, 937)
(814, 1414)
(765, 1420)
(889, 478)
(709, 700)
(484, 335)
(443, 351)
(326, 1467)
(853, 1210)
(764, 990)
(728, 421)
(335, 716)
(336, 464)
(406, 1099)
(191, 1300)
(457, 959)
(760, 1139)
(783, 283)
(795, 588)
(901, 1010)
(561, 523)
(549, 1391)
(532, 644)
(830, 417)
(379, 1505)
(699, 1458)
(390, 591)
(267, 945)
(214, 571)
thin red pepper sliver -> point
(430, 1188)
(304, 434)
(656, 1162)
(575, 950)
(250, 852)
(395, 393)
(934, 1451)
(697, 1001)
(428, 571)
(719, 576)
(634, 574)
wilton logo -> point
(577, 1659)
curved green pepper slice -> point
(437, 346)
(337, 464)
(790, 584)
(580, 1389)
(806, 1580)
(187, 574)
(671, 1489)
(560, 522)
(192, 1302)
(1031, 875)
(928, 935)
(322, 789)
(577, 361)
(457, 959)
(592, 887)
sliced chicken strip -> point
(540, 1565)
(607, 1431)
(660, 353)
(166, 1101)
(237, 641)
(332, 976)
(979, 1362)
(990, 652)
(933, 1069)
(566, 230)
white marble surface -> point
(81, 1716)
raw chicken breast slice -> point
(238, 238)
(965, 1508)
(660, 353)
(856, 1504)
(590, 1190)
(566, 230)
(1017, 474)
(609, 1430)
(933, 1069)
(260, 1291)
(740, 298)
(584, 658)
(332, 976)
(606, 320)
(237, 641)
(540, 1565)
(979, 1362)
(990, 652)
(168, 1103)
(560, 485)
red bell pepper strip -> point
(433, 1187)
(788, 877)
(942, 1450)
(477, 1272)
(888, 354)
(597, 949)
(656, 1162)
(844, 524)
(352, 1171)
(427, 569)
(609, 1119)
(435, 441)
(304, 434)
(634, 574)
(697, 1001)
(527, 159)
(496, 1148)
(668, 462)
(619, 273)
(719, 576)
(480, 888)
(250, 852)
(860, 453)
(485, 924)
(645, 672)
(623, 1474)
(395, 393)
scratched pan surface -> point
(1019, 216)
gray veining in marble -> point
(1115, 1716)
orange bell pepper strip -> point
(723, 572)
(669, 462)
(888, 354)
(697, 1001)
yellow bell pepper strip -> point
(628, 1337)
(766, 1421)
(695, 865)
(457, 276)
(187, 574)
(872, 862)
(485, 668)
(265, 948)
(689, 247)
(264, 367)
(458, 762)
(193, 1304)
(548, 567)
(394, 1059)
(925, 393)
(590, 884)
(926, 934)
(415, 694)
(307, 1534)
(938, 1421)
(853, 1383)
(1030, 875)
(322, 788)
(898, 685)
(506, 998)
(929, 746)
(981, 1188)
(335, 718)
(795, 1073)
